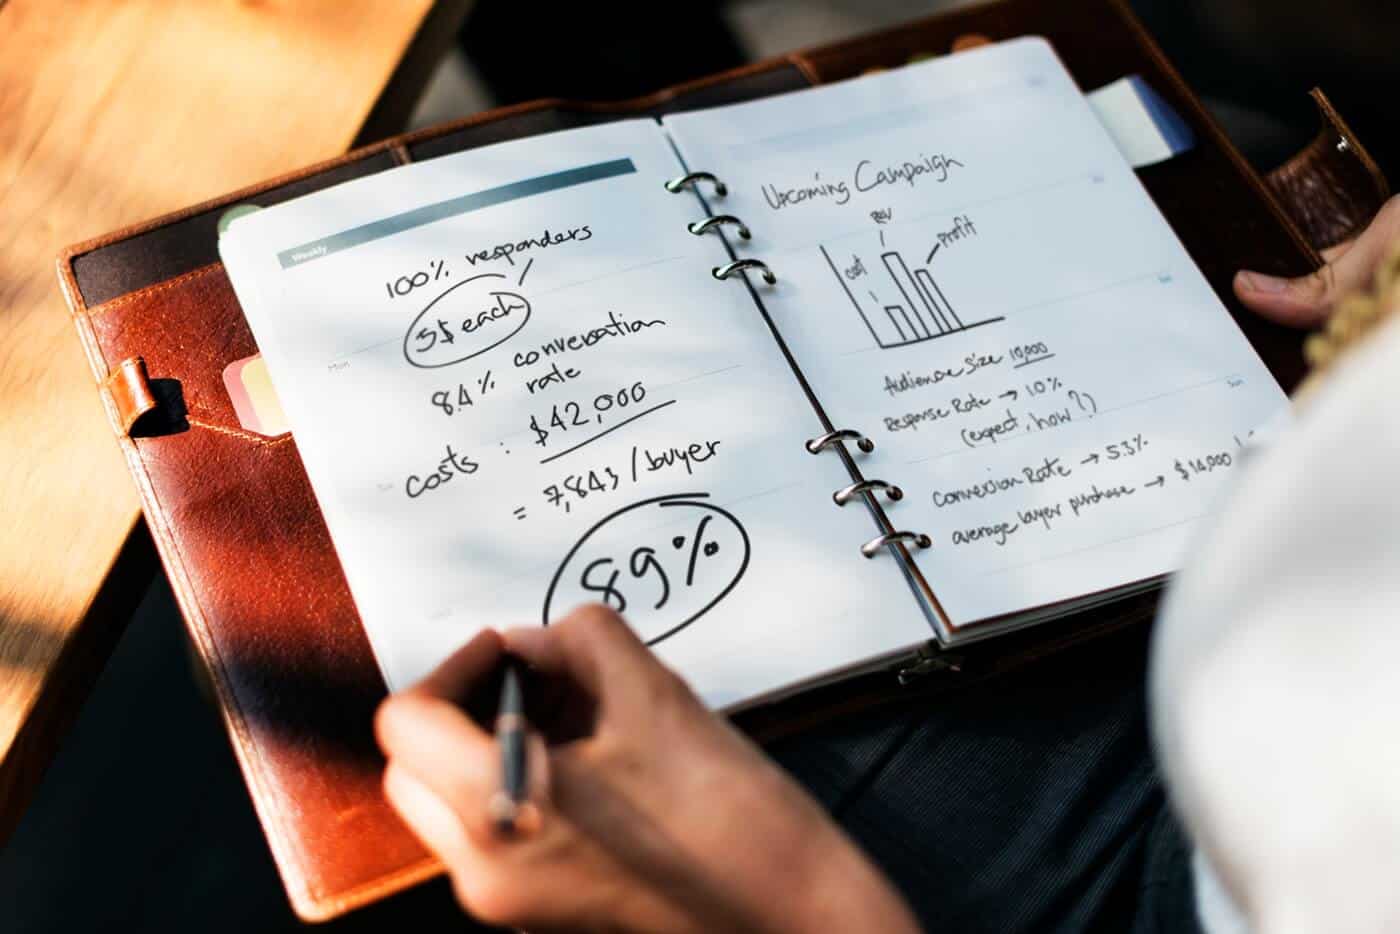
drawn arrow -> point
(1160, 481)
(1010, 392)
(936, 248)
(1091, 459)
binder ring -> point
(817, 445)
(844, 496)
(681, 182)
(700, 227)
(729, 269)
(872, 548)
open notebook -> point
(530, 375)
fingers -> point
(427, 737)
(441, 747)
(590, 645)
(434, 747)
(1308, 300)
(480, 867)
(541, 648)
(445, 752)
(1299, 303)
(594, 647)
(469, 665)
(1333, 253)
(430, 818)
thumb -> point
(1307, 301)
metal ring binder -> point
(817, 445)
(728, 269)
(814, 445)
(701, 227)
(681, 182)
(845, 495)
(872, 548)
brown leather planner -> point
(249, 555)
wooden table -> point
(112, 113)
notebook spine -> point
(835, 440)
(867, 488)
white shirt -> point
(1275, 683)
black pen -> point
(510, 736)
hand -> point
(1308, 301)
(646, 812)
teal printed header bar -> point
(453, 207)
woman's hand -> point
(646, 812)
(1307, 302)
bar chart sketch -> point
(908, 308)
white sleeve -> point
(1276, 672)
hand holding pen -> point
(629, 805)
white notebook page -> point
(971, 274)
(516, 388)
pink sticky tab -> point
(254, 400)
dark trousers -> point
(1025, 804)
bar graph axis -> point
(926, 313)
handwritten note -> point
(971, 274)
(516, 388)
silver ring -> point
(872, 548)
(700, 227)
(844, 496)
(817, 445)
(681, 182)
(727, 270)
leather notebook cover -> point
(245, 546)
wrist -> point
(815, 877)
(838, 888)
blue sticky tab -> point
(1174, 130)
(1143, 125)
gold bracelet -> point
(1353, 319)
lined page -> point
(516, 388)
(971, 274)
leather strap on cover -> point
(128, 389)
(1332, 188)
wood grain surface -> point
(112, 113)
